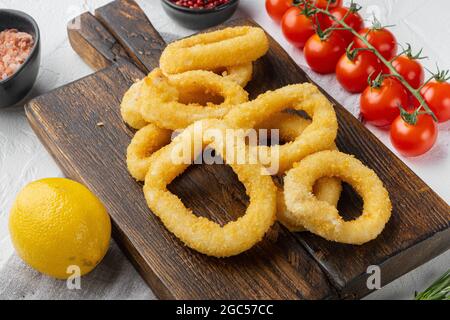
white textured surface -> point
(23, 159)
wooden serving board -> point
(120, 40)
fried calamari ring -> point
(199, 233)
(318, 136)
(326, 189)
(146, 141)
(160, 100)
(323, 219)
(241, 74)
(215, 50)
(290, 125)
(129, 107)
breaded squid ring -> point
(199, 233)
(326, 189)
(150, 139)
(290, 125)
(323, 219)
(160, 100)
(129, 108)
(215, 50)
(241, 74)
(318, 136)
(146, 141)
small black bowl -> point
(197, 19)
(17, 86)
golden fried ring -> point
(146, 141)
(241, 74)
(130, 109)
(326, 189)
(290, 125)
(129, 106)
(318, 136)
(159, 102)
(323, 219)
(199, 233)
(215, 50)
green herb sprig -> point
(440, 290)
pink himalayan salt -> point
(15, 47)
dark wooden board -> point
(98, 48)
(284, 265)
(129, 24)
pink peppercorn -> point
(200, 4)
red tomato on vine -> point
(321, 19)
(277, 8)
(409, 67)
(322, 4)
(411, 70)
(354, 69)
(380, 103)
(323, 54)
(381, 38)
(437, 96)
(413, 140)
(297, 26)
(352, 19)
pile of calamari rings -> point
(194, 88)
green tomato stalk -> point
(410, 118)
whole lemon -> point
(56, 223)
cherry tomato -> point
(297, 27)
(353, 74)
(414, 140)
(382, 39)
(321, 19)
(353, 19)
(437, 96)
(380, 105)
(410, 69)
(277, 8)
(322, 4)
(323, 55)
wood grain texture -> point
(128, 23)
(277, 268)
(95, 45)
(285, 265)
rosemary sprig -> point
(440, 290)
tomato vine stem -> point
(388, 64)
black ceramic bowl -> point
(17, 86)
(197, 19)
